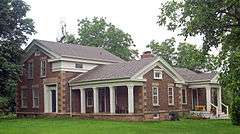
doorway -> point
(50, 99)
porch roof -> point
(114, 71)
(191, 76)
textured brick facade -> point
(143, 106)
(61, 78)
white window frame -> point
(30, 70)
(155, 95)
(24, 98)
(35, 96)
(88, 97)
(155, 71)
(185, 92)
(171, 95)
(43, 67)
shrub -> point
(235, 110)
(173, 116)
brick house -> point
(89, 82)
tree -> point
(218, 21)
(188, 56)
(164, 49)
(98, 32)
(14, 28)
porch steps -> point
(209, 115)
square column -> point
(219, 99)
(95, 99)
(112, 100)
(83, 103)
(208, 98)
(130, 99)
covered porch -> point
(207, 101)
(107, 98)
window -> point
(35, 97)
(155, 98)
(30, 70)
(89, 98)
(157, 73)
(24, 99)
(43, 68)
(78, 65)
(184, 96)
(170, 96)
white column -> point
(208, 98)
(83, 101)
(112, 100)
(219, 99)
(130, 99)
(95, 98)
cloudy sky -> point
(136, 17)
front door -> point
(53, 92)
(195, 98)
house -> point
(89, 82)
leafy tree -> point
(14, 28)
(164, 49)
(98, 32)
(188, 56)
(218, 21)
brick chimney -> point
(147, 54)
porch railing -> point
(216, 108)
(227, 112)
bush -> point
(173, 116)
(235, 110)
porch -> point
(107, 100)
(207, 101)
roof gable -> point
(58, 50)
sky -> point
(136, 17)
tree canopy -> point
(218, 21)
(14, 29)
(98, 32)
(164, 49)
(184, 55)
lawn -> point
(77, 126)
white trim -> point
(30, 74)
(157, 70)
(185, 96)
(47, 108)
(117, 83)
(24, 98)
(41, 68)
(34, 97)
(172, 95)
(155, 104)
(215, 79)
(166, 68)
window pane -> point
(78, 65)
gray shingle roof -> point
(114, 71)
(190, 75)
(80, 51)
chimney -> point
(147, 54)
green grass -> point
(77, 126)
